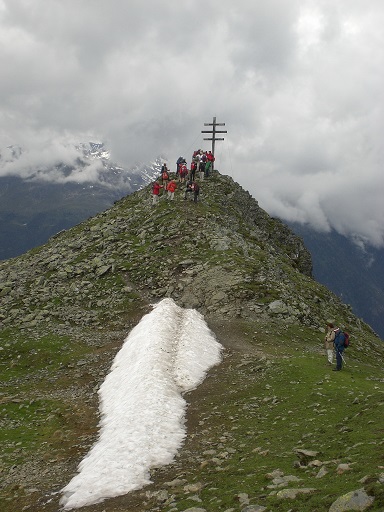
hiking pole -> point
(342, 357)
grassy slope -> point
(272, 393)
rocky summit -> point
(270, 429)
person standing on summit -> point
(209, 163)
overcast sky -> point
(298, 83)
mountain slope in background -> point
(50, 199)
(355, 275)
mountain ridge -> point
(66, 306)
(34, 208)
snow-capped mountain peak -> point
(88, 163)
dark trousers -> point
(339, 359)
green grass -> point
(22, 356)
(265, 412)
(252, 411)
(26, 425)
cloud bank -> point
(298, 84)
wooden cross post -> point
(213, 132)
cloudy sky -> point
(298, 83)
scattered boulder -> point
(342, 468)
(322, 472)
(254, 508)
(194, 509)
(292, 494)
(354, 500)
(305, 456)
(278, 307)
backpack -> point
(345, 339)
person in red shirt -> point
(183, 172)
(172, 186)
(156, 192)
(209, 164)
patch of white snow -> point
(141, 404)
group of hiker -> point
(335, 342)
(201, 166)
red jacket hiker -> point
(172, 186)
(156, 188)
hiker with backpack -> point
(340, 342)
(328, 342)
(183, 172)
(179, 161)
(164, 176)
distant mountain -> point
(51, 199)
(354, 274)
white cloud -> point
(298, 84)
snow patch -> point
(141, 404)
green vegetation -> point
(22, 356)
(257, 413)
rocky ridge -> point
(224, 256)
(66, 307)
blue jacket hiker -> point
(339, 348)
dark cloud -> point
(298, 84)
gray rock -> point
(194, 509)
(103, 270)
(354, 500)
(282, 481)
(278, 307)
(5, 291)
(322, 472)
(293, 493)
(220, 244)
(178, 482)
(196, 487)
(186, 263)
(243, 498)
